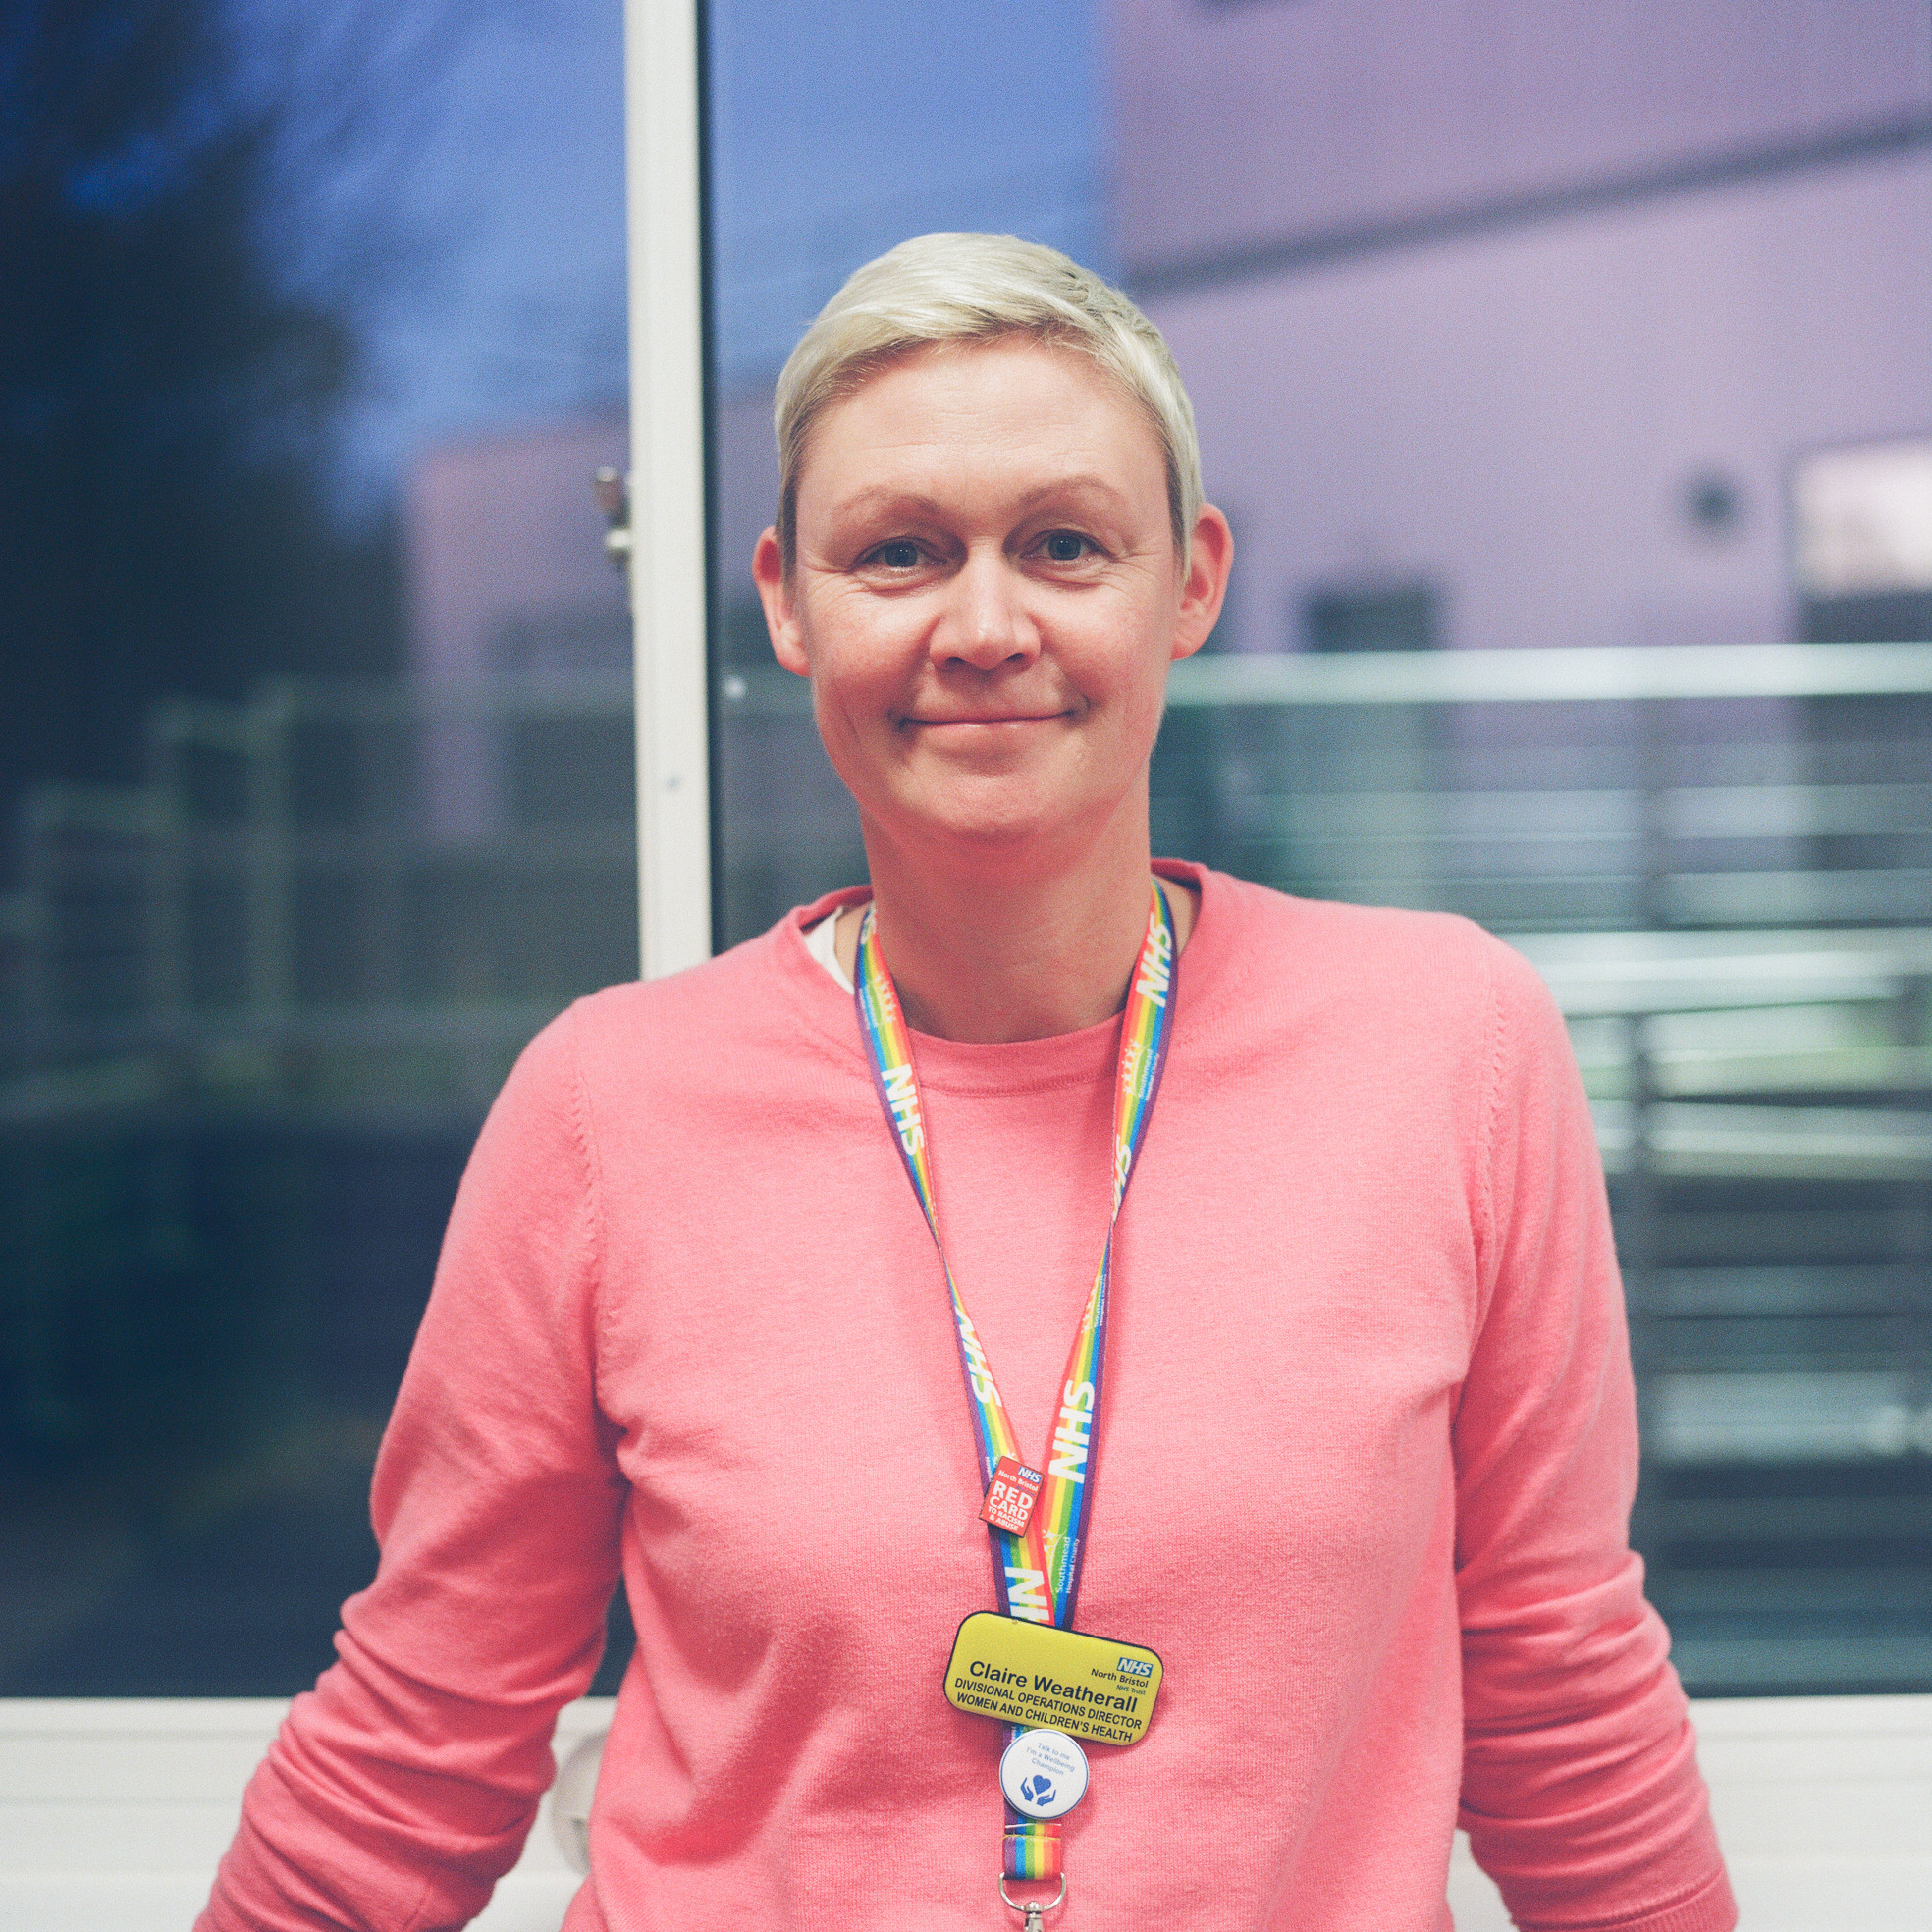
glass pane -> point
(318, 793)
(1731, 897)
(877, 123)
(1565, 341)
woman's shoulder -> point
(1413, 963)
(711, 990)
(763, 1004)
(1375, 1002)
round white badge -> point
(1043, 1774)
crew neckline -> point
(1004, 1066)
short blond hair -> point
(976, 288)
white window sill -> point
(113, 1812)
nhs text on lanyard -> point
(1035, 1517)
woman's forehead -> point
(1016, 399)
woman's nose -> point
(985, 622)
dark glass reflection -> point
(315, 774)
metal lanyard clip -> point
(1033, 1912)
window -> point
(1718, 856)
(1374, 616)
(325, 803)
(1726, 888)
(1861, 541)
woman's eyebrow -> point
(1079, 482)
(874, 496)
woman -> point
(1350, 1393)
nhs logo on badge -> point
(1136, 1667)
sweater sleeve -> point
(402, 1788)
(1581, 1790)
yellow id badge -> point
(1051, 1679)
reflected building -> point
(1528, 314)
(509, 585)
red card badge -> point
(1010, 1496)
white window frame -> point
(664, 193)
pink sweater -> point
(1363, 1481)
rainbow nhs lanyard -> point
(1037, 1574)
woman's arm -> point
(1581, 1790)
(402, 1788)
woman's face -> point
(987, 593)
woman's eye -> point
(1064, 545)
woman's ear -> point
(1211, 556)
(774, 593)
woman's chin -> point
(989, 829)
(1035, 805)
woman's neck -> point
(990, 959)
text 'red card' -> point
(1010, 1496)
